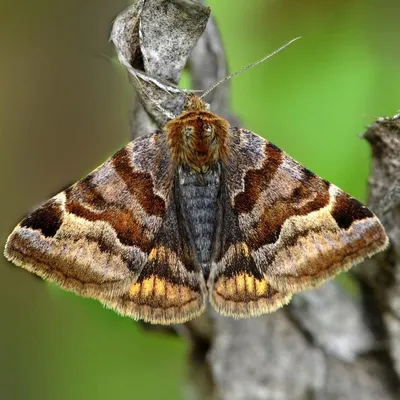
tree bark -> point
(325, 344)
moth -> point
(200, 210)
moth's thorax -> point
(198, 138)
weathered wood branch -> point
(325, 344)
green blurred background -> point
(65, 107)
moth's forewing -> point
(285, 230)
(98, 238)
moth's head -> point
(198, 137)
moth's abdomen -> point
(199, 195)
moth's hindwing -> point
(285, 230)
(98, 238)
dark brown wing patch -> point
(139, 184)
(257, 180)
(346, 210)
(47, 219)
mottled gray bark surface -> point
(325, 344)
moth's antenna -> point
(248, 67)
